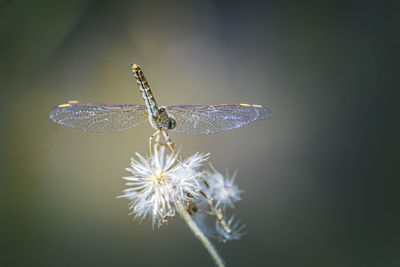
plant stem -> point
(200, 235)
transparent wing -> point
(208, 119)
(97, 117)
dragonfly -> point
(187, 119)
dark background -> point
(320, 177)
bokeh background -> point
(320, 177)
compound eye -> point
(171, 123)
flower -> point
(159, 183)
(222, 189)
(235, 233)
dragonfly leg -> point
(170, 144)
(157, 139)
(157, 136)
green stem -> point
(200, 235)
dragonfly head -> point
(164, 120)
(167, 122)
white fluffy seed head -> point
(158, 183)
(235, 233)
(222, 188)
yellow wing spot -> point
(246, 105)
(257, 106)
(73, 101)
(64, 105)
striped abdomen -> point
(145, 90)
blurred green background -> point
(320, 176)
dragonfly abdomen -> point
(144, 88)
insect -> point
(187, 119)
